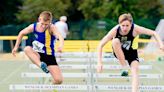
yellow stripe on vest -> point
(48, 42)
(135, 43)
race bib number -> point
(126, 45)
(38, 47)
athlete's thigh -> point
(55, 71)
(28, 50)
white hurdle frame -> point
(64, 66)
(84, 59)
(83, 75)
(128, 87)
(82, 87)
(118, 67)
(44, 75)
(47, 87)
(116, 75)
(90, 86)
(77, 66)
(80, 54)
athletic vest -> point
(43, 42)
(127, 40)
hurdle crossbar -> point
(47, 87)
(76, 66)
(83, 75)
(113, 59)
(82, 54)
(81, 87)
(128, 87)
(72, 59)
(113, 67)
(83, 59)
(65, 66)
(116, 75)
(66, 75)
(75, 54)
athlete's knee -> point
(115, 42)
(134, 69)
(27, 48)
(134, 66)
(58, 81)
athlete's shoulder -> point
(113, 31)
(52, 27)
(137, 27)
(30, 27)
(115, 28)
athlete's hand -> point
(99, 67)
(59, 49)
(162, 47)
(14, 51)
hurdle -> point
(116, 75)
(65, 66)
(118, 67)
(83, 75)
(44, 75)
(74, 54)
(84, 59)
(14, 87)
(77, 66)
(72, 59)
(113, 59)
(82, 87)
(82, 54)
(128, 87)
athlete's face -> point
(125, 26)
(44, 24)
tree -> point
(32, 8)
(8, 9)
(95, 9)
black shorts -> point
(48, 59)
(130, 55)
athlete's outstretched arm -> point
(143, 30)
(61, 39)
(111, 34)
(22, 33)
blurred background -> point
(87, 19)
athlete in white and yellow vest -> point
(124, 46)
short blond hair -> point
(125, 16)
(46, 15)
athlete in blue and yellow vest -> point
(42, 51)
(45, 39)
(125, 47)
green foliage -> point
(8, 9)
(95, 9)
(146, 13)
(32, 8)
(11, 29)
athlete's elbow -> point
(154, 33)
(100, 46)
(21, 33)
